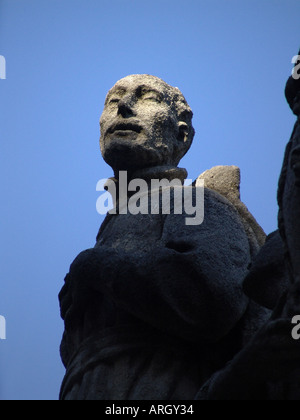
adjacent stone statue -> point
(157, 309)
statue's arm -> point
(188, 283)
(160, 287)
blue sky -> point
(230, 58)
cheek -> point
(167, 127)
(160, 118)
(108, 115)
(103, 123)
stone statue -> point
(157, 309)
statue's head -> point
(145, 123)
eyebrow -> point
(150, 89)
(115, 91)
(121, 91)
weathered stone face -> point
(145, 123)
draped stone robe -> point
(157, 307)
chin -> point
(124, 155)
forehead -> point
(133, 83)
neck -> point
(168, 172)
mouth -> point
(125, 128)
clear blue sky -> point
(230, 58)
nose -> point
(125, 107)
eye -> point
(151, 98)
(146, 94)
(114, 101)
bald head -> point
(145, 123)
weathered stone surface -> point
(268, 278)
(226, 181)
(153, 275)
(145, 123)
(289, 201)
(157, 309)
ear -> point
(183, 132)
